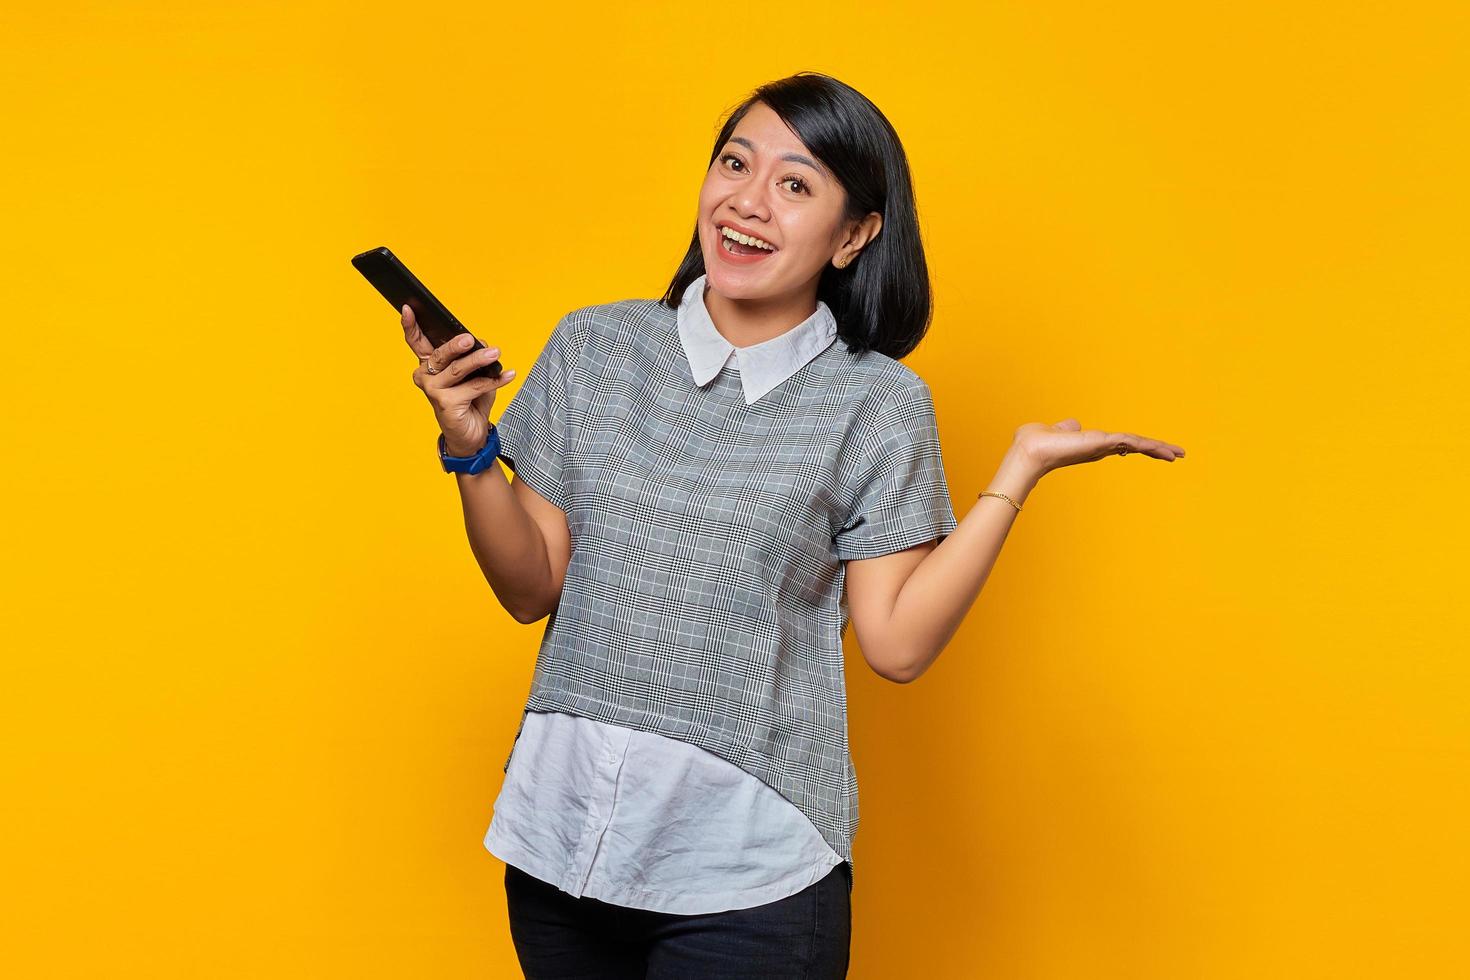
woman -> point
(707, 487)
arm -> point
(908, 605)
(519, 530)
(519, 536)
(520, 540)
(913, 601)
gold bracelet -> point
(997, 493)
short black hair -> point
(881, 300)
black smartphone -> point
(402, 288)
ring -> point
(430, 368)
(1122, 450)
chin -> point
(737, 283)
(727, 286)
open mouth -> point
(735, 247)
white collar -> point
(762, 366)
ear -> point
(859, 234)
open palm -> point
(1051, 447)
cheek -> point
(707, 204)
(709, 195)
(802, 235)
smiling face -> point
(765, 183)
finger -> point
(432, 367)
(1127, 442)
(443, 355)
(1111, 443)
(1132, 442)
(417, 342)
(1101, 443)
(1157, 448)
(461, 366)
(468, 391)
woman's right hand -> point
(462, 407)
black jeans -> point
(805, 935)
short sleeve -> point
(533, 426)
(901, 496)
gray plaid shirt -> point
(710, 524)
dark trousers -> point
(805, 935)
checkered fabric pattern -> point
(705, 596)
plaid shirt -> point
(710, 525)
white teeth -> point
(746, 239)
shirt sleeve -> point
(902, 496)
(533, 426)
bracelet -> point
(997, 493)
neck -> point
(747, 322)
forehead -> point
(760, 120)
(763, 132)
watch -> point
(477, 463)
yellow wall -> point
(1207, 720)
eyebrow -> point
(789, 157)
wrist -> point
(1015, 477)
(470, 460)
(462, 449)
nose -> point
(750, 202)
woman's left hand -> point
(1050, 447)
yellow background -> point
(1207, 720)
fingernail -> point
(463, 341)
(495, 352)
(511, 373)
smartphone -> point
(402, 288)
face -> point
(764, 182)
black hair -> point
(881, 300)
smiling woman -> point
(808, 197)
(722, 479)
(716, 458)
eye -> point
(803, 187)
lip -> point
(744, 231)
(731, 257)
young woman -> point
(708, 486)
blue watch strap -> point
(477, 463)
